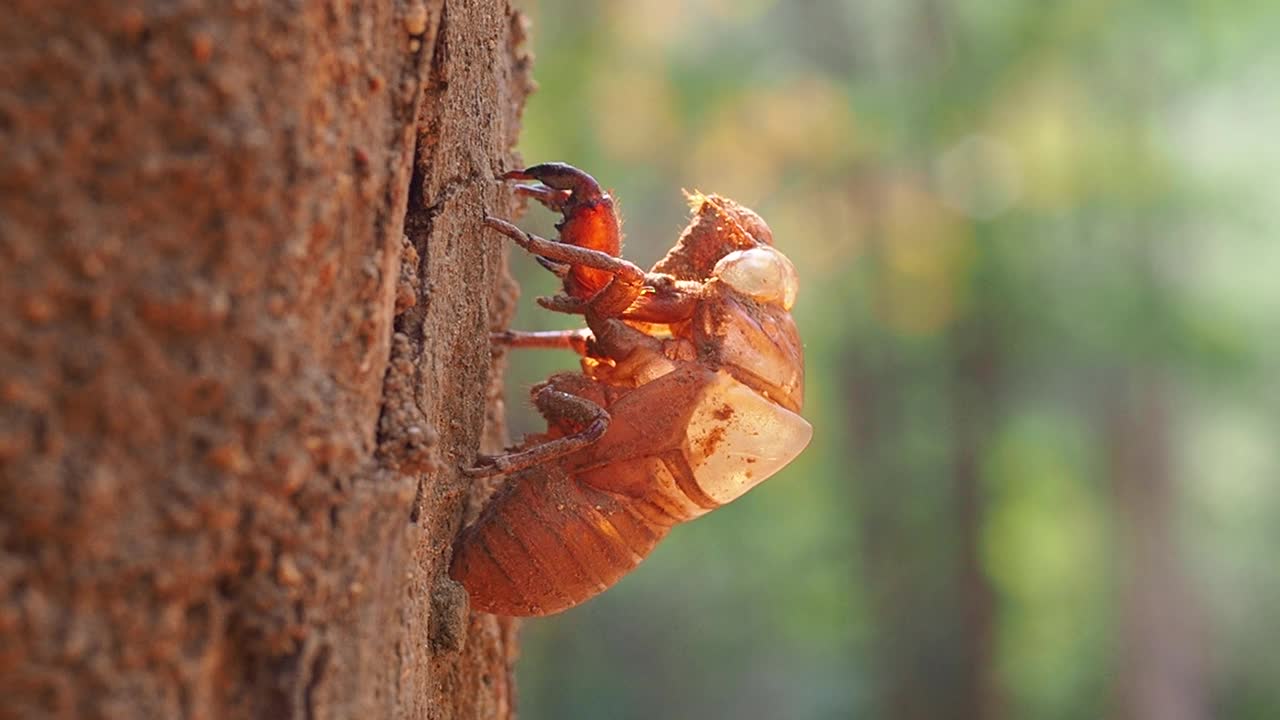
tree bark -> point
(243, 349)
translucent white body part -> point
(737, 438)
(761, 272)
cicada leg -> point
(552, 199)
(626, 278)
(575, 340)
(559, 408)
(563, 183)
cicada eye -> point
(762, 273)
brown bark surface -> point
(243, 349)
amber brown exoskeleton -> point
(689, 395)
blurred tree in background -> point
(1041, 280)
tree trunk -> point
(243, 350)
(977, 393)
(1162, 671)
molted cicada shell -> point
(689, 395)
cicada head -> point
(719, 226)
(743, 321)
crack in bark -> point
(315, 677)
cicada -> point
(689, 395)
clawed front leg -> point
(563, 304)
(556, 406)
(560, 270)
(554, 200)
(615, 340)
(568, 254)
(566, 180)
(611, 301)
(589, 222)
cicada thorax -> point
(758, 344)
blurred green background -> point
(1041, 276)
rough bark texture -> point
(242, 351)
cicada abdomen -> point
(546, 542)
(678, 447)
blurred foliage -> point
(1011, 220)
